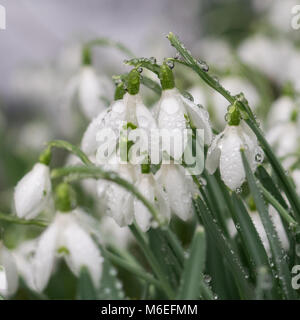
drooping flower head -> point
(66, 237)
(225, 151)
(33, 192)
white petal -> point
(142, 215)
(90, 92)
(82, 252)
(119, 204)
(213, 154)
(144, 117)
(11, 274)
(199, 118)
(89, 143)
(231, 165)
(24, 257)
(173, 179)
(33, 192)
(44, 259)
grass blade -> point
(192, 281)
(277, 251)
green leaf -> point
(266, 180)
(110, 286)
(168, 261)
(152, 260)
(278, 169)
(86, 290)
(192, 284)
(249, 234)
(240, 274)
(277, 252)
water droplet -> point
(170, 64)
(140, 69)
(152, 60)
(203, 65)
(207, 278)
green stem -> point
(284, 214)
(71, 148)
(152, 260)
(80, 172)
(131, 268)
(105, 42)
(13, 219)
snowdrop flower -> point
(235, 85)
(155, 194)
(261, 230)
(178, 187)
(268, 56)
(284, 126)
(280, 15)
(24, 255)
(33, 192)
(8, 273)
(117, 200)
(114, 234)
(66, 237)
(175, 112)
(129, 110)
(224, 151)
(90, 89)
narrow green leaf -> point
(192, 282)
(110, 285)
(131, 267)
(277, 251)
(266, 180)
(86, 290)
(154, 263)
(169, 263)
(240, 274)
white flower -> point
(24, 255)
(114, 234)
(267, 55)
(277, 222)
(225, 153)
(117, 200)
(33, 192)
(130, 109)
(67, 238)
(174, 111)
(90, 92)
(284, 127)
(90, 89)
(178, 187)
(8, 273)
(154, 193)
